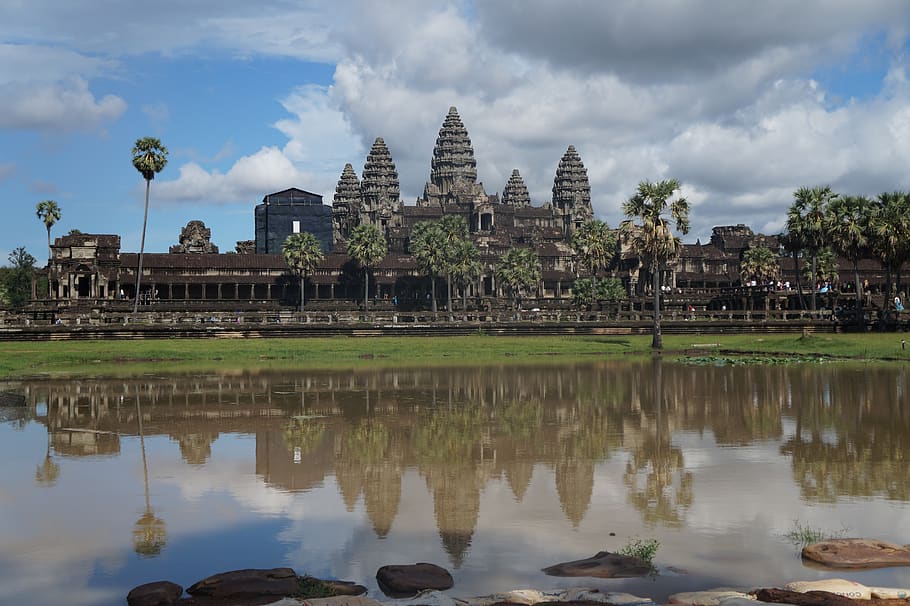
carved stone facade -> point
(195, 238)
(571, 193)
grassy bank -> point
(118, 357)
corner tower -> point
(346, 205)
(380, 189)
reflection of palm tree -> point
(149, 532)
(47, 473)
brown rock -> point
(811, 598)
(343, 587)
(406, 580)
(857, 553)
(159, 593)
(604, 565)
(248, 582)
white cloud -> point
(61, 106)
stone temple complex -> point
(91, 266)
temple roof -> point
(453, 162)
(380, 177)
(516, 192)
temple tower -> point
(380, 189)
(516, 192)
(571, 202)
(453, 169)
(346, 204)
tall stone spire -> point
(516, 192)
(572, 192)
(453, 157)
(346, 205)
(379, 186)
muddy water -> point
(492, 472)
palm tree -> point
(889, 234)
(651, 237)
(150, 531)
(848, 228)
(429, 250)
(518, 270)
(595, 245)
(149, 158)
(454, 230)
(48, 213)
(806, 221)
(465, 267)
(303, 253)
(791, 243)
(759, 263)
(368, 247)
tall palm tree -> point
(303, 253)
(368, 247)
(793, 245)
(429, 250)
(760, 263)
(518, 270)
(465, 267)
(150, 531)
(594, 244)
(806, 220)
(149, 158)
(848, 228)
(48, 212)
(889, 231)
(454, 230)
(650, 237)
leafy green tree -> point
(594, 244)
(761, 264)
(889, 234)
(48, 212)
(825, 267)
(19, 278)
(586, 290)
(303, 254)
(847, 223)
(518, 270)
(648, 233)
(74, 232)
(149, 158)
(429, 249)
(806, 221)
(368, 247)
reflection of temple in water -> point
(461, 429)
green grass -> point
(803, 535)
(99, 358)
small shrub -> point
(644, 549)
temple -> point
(91, 266)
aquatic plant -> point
(643, 549)
(802, 535)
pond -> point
(493, 472)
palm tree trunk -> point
(449, 294)
(859, 294)
(433, 288)
(366, 289)
(799, 286)
(145, 218)
(302, 278)
(657, 341)
(814, 277)
(50, 256)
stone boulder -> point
(604, 565)
(248, 582)
(857, 553)
(809, 598)
(159, 593)
(406, 580)
(709, 597)
(841, 587)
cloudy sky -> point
(742, 101)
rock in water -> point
(159, 593)
(247, 582)
(604, 565)
(857, 553)
(406, 580)
(809, 598)
(841, 587)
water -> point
(492, 472)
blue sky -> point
(743, 102)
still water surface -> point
(492, 472)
